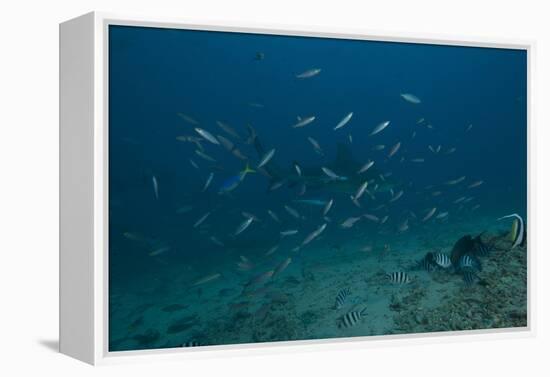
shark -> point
(313, 177)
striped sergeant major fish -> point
(481, 248)
(427, 263)
(341, 298)
(469, 262)
(399, 277)
(518, 231)
(352, 318)
(442, 260)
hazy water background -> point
(156, 73)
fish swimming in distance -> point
(302, 122)
(194, 164)
(399, 277)
(245, 224)
(289, 232)
(519, 236)
(327, 207)
(372, 218)
(208, 181)
(184, 209)
(341, 298)
(396, 196)
(216, 241)
(258, 279)
(352, 318)
(475, 184)
(298, 169)
(365, 167)
(394, 149)
(265, 159)
(155, 187)
(309, 73)
(378, 147)
(410, 98)
(314, 234)
(380, 127)
(360, 191)
(272, 250)
(273, 215)
(429, 214)
(227, 129)
(313, 202)
(442, 215)
(281, 267)
(232, 182)
(188, 119)
(207, 135)
(349, 222)
(455, 181)
(292, 211)
(332, 175)
(207, 279)
(316, 146)
(469, 127)
(159, 251)
(204, 156)
(201, 220)
(344, 121)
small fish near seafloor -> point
(399, 277)
(341, 298)
(352, 318)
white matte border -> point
(101, 176)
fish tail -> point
(247, 169)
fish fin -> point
(247, 169)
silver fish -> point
(201, 220)
(265, 159)
(216, 241)
(330, 173)
(244, 225)
(309, 73)
(371, 217)
(155, 187)
(292, 211)
(455, 181)
(328, 206)
(429, 214)
(302, 122)
(208, 181)
(193, 164)
(273, 215)
(380, 127)
(396, 196)
(475, 184)
(290, 232)
(204, 156)
(394, 149)
(207, 135)
(207, 279)
(188, 119)
(272, 250)
(316, 146)
(361, 190)
(365, 167)
(410, 98)
(378, 147)
(344, 121)
(228, 130)
(314, 234)
(281, 267)
(349, 222)
(298, 169)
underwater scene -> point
(268, 188)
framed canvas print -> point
(223, 186)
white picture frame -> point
(84, 189)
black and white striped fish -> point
(469, 276)
(442, 260)
(468, 262)
(351, 319)
(427, 263)
(399, 277)
(482, 249)
(191, 343)
(341, 298)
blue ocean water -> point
(453, 161)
